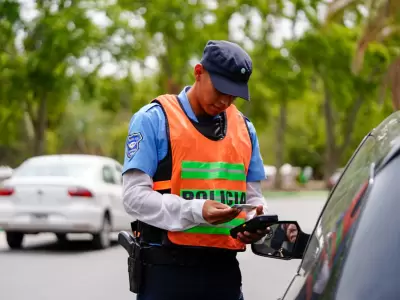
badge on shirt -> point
(132, 143)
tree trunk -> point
(280, 142)
(348, 127)
(170, 84)
(394, 77)
(40, 127)
(172, 87)
(330, 145)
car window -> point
(327, 234)
(118, 173)
(108, 175)
(356, 174)
(387, 134)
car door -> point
(112, 193)
(314, 270)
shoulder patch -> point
(132, 143)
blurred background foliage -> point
(72, 73)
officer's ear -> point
(198, 71)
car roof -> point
(71, 157)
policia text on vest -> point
(225, 197)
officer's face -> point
(212, 101)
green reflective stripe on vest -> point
(214, 170)
(230, 224)
(209, 230)
(213, 175)
(216, 229)
(212, 165)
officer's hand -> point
(215, 212)
(249, 238)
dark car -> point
(353, 251)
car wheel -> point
(102, 239)
(15, 239)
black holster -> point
(135, 271)
(135, 262)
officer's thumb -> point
(260, 210)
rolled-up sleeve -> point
(165, 211)
(255, 197)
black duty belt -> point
(187, 256)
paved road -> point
(44, 271)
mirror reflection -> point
(279, 242)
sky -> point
(283, 30)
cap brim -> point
(226, 86)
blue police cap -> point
(229, 67)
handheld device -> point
(245, 207)
(256, 223)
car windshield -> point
(53, 168)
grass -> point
(291, 194)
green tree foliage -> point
(72, 73)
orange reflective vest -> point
(207, 169)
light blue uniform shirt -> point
(147, 142)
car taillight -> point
(80, 192)
(6, 191)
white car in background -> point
(64, 194)
(5, 172)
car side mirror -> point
(285, 240)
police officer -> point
(188, 159)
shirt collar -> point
(186, 104)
